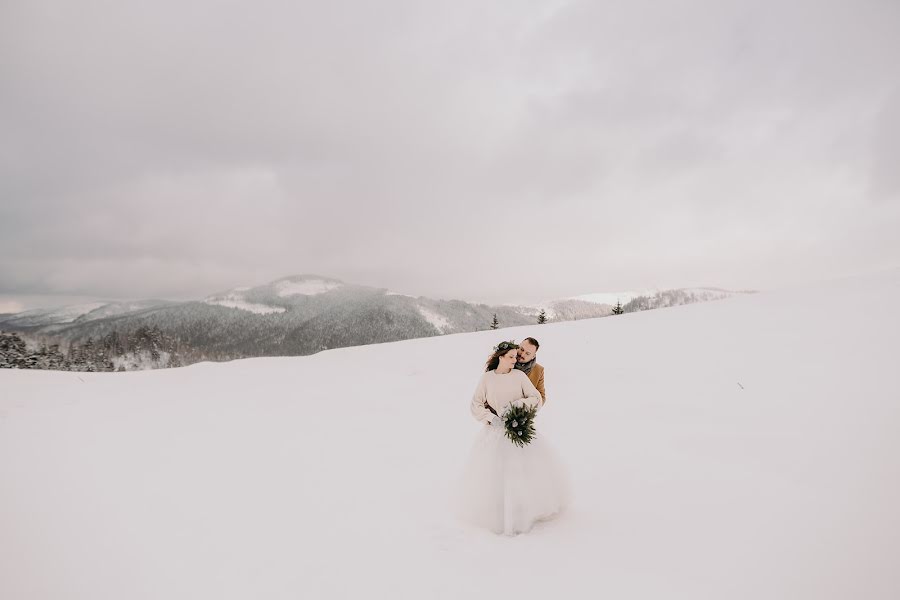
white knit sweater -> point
(498, 390)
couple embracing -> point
(507, 488)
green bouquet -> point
(518, 421)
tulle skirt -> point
(507, 489)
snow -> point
(709, 291)
(306, 287)
(440, 322)
(55, 316)
(624, 297)
(612, 297)
(141, 361)
(113, 309)
(239, 303)
(740, 449)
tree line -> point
(145, 347)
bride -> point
(507, 488)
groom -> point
(526, 362)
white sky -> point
(491, 151)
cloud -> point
(449, 149)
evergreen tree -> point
(155, 336)
(112, 344)
(87, 353)
(55, 359)
(74, 358)
(542, 317)
(617, 309)
(34, 359)
(495, 324)
(13, 353)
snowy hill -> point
(610, 298)
(42, 317)
(646, 300)
(114, 309)
(296, 315)
(741, 449)
(277, 296)
(600, 304)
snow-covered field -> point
(746, 448)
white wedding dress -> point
(506, 488)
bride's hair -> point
(494, 360)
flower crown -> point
(504, 346)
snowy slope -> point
(306, 287)
(275, 296)
(611, 298)
(114, 309)
(230, 300)
(52, 316)
(741, 449)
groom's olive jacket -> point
(536, 375)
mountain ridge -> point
(299, 315)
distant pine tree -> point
(617, 309)
(542, 317)
(639, 303)
(33, 360)
(87, 353)
(73, 358)
(112, 344)
(495, 324)
(13, 353)
(53, 358)
(155, 339)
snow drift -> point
(745, 448)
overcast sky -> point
(486, 150)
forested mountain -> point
(291, 316)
